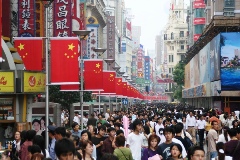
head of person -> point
(60, 132)
(32, 150)
(75, 126)
(37, 156)
(99, 124)
(153, 141)
(146, 130)
(178, 128)
(176, 150)
(51, 131)
(109, 156)
(119, 132)
(191, 113)
(214, 125)
(42, 121)
(75, 140)
(86, 135)
(137, 125)
(174, 121)
(36, 125)
(39, 140)
(120, 141)
(111, 131)
(64, 149)
(101, 130)
(160, 120)
(17, 136)
(76, 113)
(232, 132)
(117, 126)
(77, 156)
(6, 155)
(99, 116)
(30, 135)
(87, 148)
(168, 133)
(196, 153)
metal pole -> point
(81, 92)
(99, 102)
(109, 102)
(121, 103)
(47, 78)
(116, 103)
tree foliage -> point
(178, 77)
(66, 98)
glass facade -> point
(198, 28)
(199, 12)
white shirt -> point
(76, 119)
(190, 121)
(157, 127)
(107, 116)
(135, 143)
(184, 153)
(201, 124)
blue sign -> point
(147, 67)
(125, 101)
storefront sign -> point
(111, 37)
(7, 82)
(26, 17)
(34, 82)
(197, 21)
(199, 4)
(62, 18)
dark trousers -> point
(201, 137)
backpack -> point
(189, 142)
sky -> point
(152, 16)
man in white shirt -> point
(107, 115)
(76, 118)
(201, 123)
(158, 126)
(190, 126)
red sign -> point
(196, 36)
(197, 21)
(32, 81)
(62, 18)
(199, 4)
(26, 17)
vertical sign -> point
(26, 18)
(92, 41)
(147, 67)
(111, 37)
(140, 63)
(62, 22)
(134, 72)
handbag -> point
(123, 154)
(155, 157)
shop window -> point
(6, 109)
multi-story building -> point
(211, 73)
(159, 48)
(175, 37)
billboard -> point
(230, 61)
(128, 29)
(187, 76)
(26, 18)
(147, 68)
(215, 59)
(62, 20)
(204, 64)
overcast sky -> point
(151, 15)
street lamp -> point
(121, 73)
(46, 4)
(82, 35)
(99, 51)
(109, 62)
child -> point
(176, 151)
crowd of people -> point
(142, 132)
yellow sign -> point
(34, 82)
(7, 82)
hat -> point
(51, 128)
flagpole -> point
(116, 102)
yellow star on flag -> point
(21, 46)
(111, 75)
(119, 80)
(71, 46)
(97, 65)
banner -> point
(34, 82)
(119, 86)
(26, 18)
(197, 21)
(111, 37)
(199, 4)
(7, 83)
(64, 65)
(109, 82)
(31, 52)
(62, 20)
(93, 74)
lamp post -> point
(82, 35)
(99, 52)
(46, 4)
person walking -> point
(190, 126)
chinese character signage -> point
(140, 60)
(147, 67)
(34, 82)
(26, 17)
(62, 22)
(199, 4)
(197, 21)
(7, 82)
(92, 41)
(111, 37)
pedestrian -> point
(64, 149)
(87, 150)
(212, 138)
(98, 140)
(232, 148)
(122, 152)
(151, 150)
(196, 153)
(176, 151)
(190, 126)
(201, 123)
(107, 143)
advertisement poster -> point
(204, 64)
(230, 61)
(196, 69)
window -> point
(172, 35)
(182, 57)
(169, 70)
(181, 34)
(172, 48)
(182, 47)
(199, 12)
(229, 3)
(198, 29)
(170, 58)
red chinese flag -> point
(119, 87)
(93, 74)
(124, 88)
(64, 61)
(109, 82)
(31, 51)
